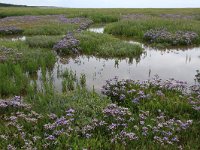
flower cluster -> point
(9, 53)
(69, 44)
(16, 102)
(170, 84)
(196, 88)
(9, 30)
(59, 126)
(25, 124)
(18, 121)
(125, 91)
(165, 130)
(75, 20)
(121, 126)
(21, 19)
(114, 125)
(5, 49)
(195, 101)
(134, 16)
(33, 19)
(164, 36)
(83, 22)
(176, 16)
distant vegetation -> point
(11, 5)
(100, 15)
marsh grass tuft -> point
(42, 41)
(12, 80)
(50, 29)
(106, 45)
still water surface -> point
(178, 64)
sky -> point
(109, 3)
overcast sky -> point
(110, 3)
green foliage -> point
(83, 80)
(69, 79)
(13, 81)
(107, 46)
(20, 11)
(97, 17)
(42, 41)
(50, 29)
(10, 5)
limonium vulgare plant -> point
(119, 125)
(134, 94)
(164, 36)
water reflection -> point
(173, 63)
(14, 38)
(181, 65)
(97, 30)
(22, 38)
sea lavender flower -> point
(52, 116)
(88, 135)
(10, 147)
(69, 44)
(179, 38)
(61, 121)
(112, 126)
(9, 30)
(175, 139)
(136, 100)
(50, 137)
(70, 112)
(122, 97)
(160, 93)
(142, 122)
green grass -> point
(42, 41)
(46, 25)
(73, 11)
(50, 29)
(137, 28)
(106, 45)
(31, 58)
(98, 15)
(14, 79)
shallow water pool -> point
(173, 63)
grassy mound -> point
(107, 46)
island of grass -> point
(162, 32)
(107, 46)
